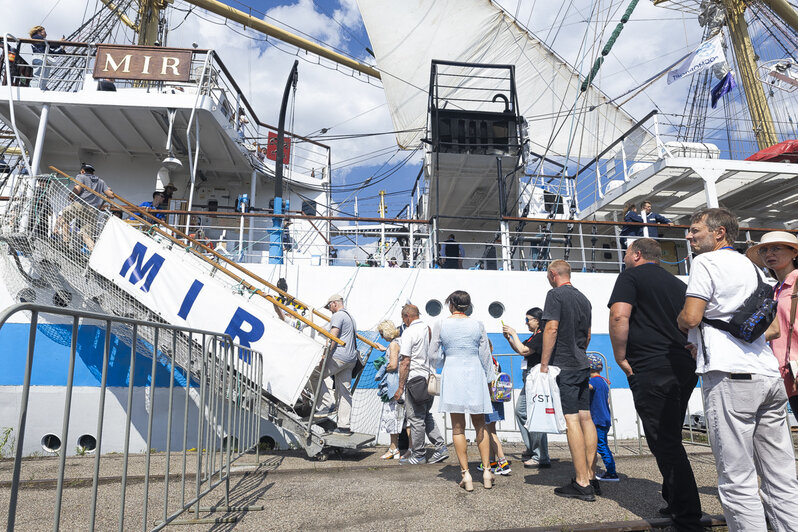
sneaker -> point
(608, 477)
(439, 456)
(575, 491)
(412, 461)
(493, 465)
(390, 454)
(503, 468)
(596, 486)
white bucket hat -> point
(774, 237)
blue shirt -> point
(599, 402)
(148, 205)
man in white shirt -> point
(744, 396)
(414, 370)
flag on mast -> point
(706, 55)
(727, 84)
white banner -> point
(706, 55)
(165, 281)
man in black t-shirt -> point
(537, 443)
(650, 349)
(565, 340)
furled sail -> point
(407, 35)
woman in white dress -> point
(467, 370)
(393, 414)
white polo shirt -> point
(724, 279)
(414, 343)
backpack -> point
(753, 318)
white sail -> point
(407, 35)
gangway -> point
(57, 264)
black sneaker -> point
(665, 511)
(596, 486)
(575, 491)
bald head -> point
(559, 272)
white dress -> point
(467, 367)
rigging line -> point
(310, 135)
(50, 12)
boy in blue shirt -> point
(600, 412)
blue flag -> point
(725, 85)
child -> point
(600, 412)
(501, 466)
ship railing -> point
(521, 244)
(618, 162)
(72, 68)
(180, 439)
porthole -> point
(433, 307)
(496, 309)
(87, 442)
(51, 443)
(26, 295)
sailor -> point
(340, 364)
(744, 396)
(451, 254)
(652, 217)
(85, 205)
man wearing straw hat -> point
(650, 349)
(744, 397)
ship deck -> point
(358, 491)
(762, 194)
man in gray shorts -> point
(84, 206)
(565, 339)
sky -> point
(332, 99)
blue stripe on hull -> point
(51, 358)
(512, 364)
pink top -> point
(779, 345)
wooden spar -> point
(273, 31)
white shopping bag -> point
(543, 407)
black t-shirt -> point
(535, 345)
(657, 297)
(568, 306)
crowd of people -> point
(664, 335)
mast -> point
(758, 109)
(761, 118)
(148, 31)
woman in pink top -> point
(778, 252)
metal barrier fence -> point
(221, 401)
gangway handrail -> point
(255, 290)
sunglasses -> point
(764, 250)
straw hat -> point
(774, 237)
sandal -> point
(389, 454)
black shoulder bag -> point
(753, 318)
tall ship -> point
(517, 157)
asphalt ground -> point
(353, 491)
